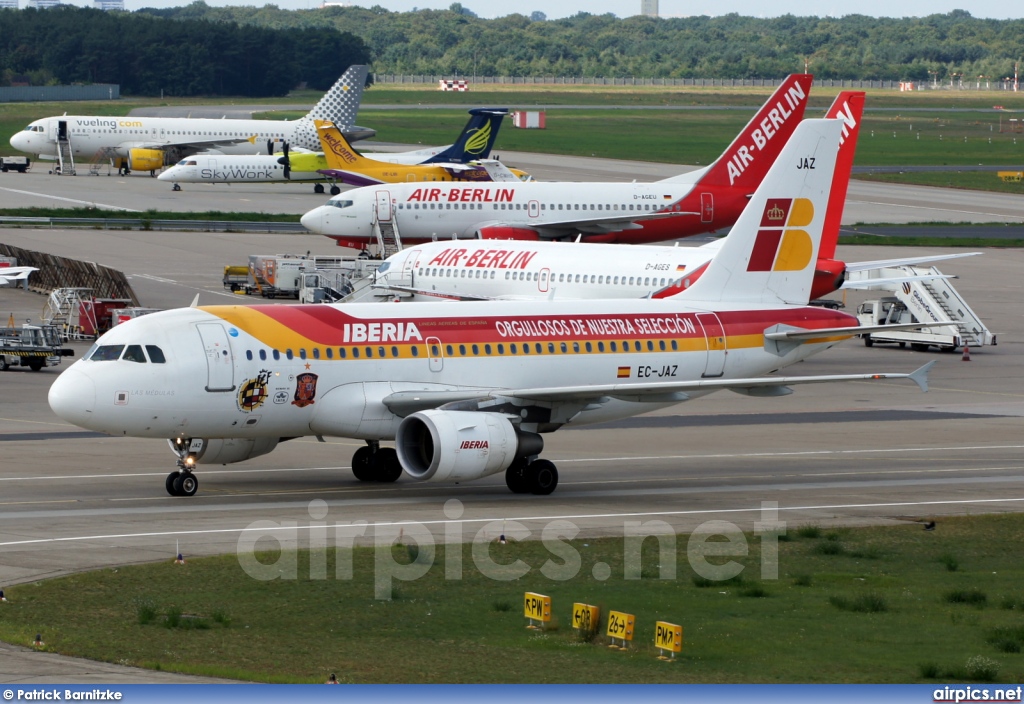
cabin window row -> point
(470, 350)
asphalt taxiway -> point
(849, 454)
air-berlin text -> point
(483, 258)
(764, 130)
(462, 195)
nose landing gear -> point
(182, 482)
(374, 463)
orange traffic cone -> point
(967, 354)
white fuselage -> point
(222, 168)
(232, 371)
(447, 210)
(511, 269)
(90, 135)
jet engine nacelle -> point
(145, 159)
(460, 445)
(222, 450)
(500, 232)
(829, 276)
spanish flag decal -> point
(623, 373)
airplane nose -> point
(169, 175)
(313, 220)
(19, 141)
(73, 398)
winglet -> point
(195, 302)
(920, 376)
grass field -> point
(884, 604)
(973, 180)
(925, 133)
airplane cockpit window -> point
(88, 353)
(342, 203)
(383, 267)
(106, 353)
(134, 354)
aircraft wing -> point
(15, 273)
(868, 283)
(436, 294)
(601, 225)
(908, 261)
(349, 178)
(404, 403)
(804, 334)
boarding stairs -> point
(932, 299)
(389, 241)
(65, 157)
(64, 310)
(103, 157)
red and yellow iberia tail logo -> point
(780, 245)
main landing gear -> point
(538, 477)
(182, 483)
(374, 463)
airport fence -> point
(983, 85)
(38, 94)
(61, 272)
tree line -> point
(731, 46)
(150, 55)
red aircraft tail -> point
(849, 106)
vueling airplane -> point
(348, 166)
(467, 389)
(692, 203)
(150, 142)
(474, 142)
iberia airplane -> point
(474, 142)
(347, 165)
(517, 270)
(700, 201)
(150, 142)
(467, 389)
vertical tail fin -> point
(338, 153)
(745, 162)
(477, 137)
(849, 107)
(340, 104)
(769, 255)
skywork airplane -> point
(467, 389)
(345, 164)
(147, 143)
(700, 201)
(474, 142)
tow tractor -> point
(32, 346)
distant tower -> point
(43, 4)
(649, 8)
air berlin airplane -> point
(700, 201)
(467, 389)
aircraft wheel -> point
(868, 342)
(362, 464)
(918, 347)
(189, 484)
(516, 478)
(318, 188)
(169, 483)
(543, 477)
(387, 468)
(335, 190)
(903, 345)
(175, 187)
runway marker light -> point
(967, 354)
(2, 597)
(620, 625)
(585, 617)
(537, 607)
(668, 637)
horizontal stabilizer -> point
(906, 261)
